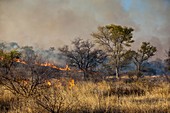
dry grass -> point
(142, 96)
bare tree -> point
(21, 78)
(83, 56)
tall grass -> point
(142, 96)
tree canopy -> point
(145, 52)
(8, 58)
(115, 40)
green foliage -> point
(120, 34)
(7, 58)
(115, 40)
(145, 52)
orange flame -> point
(67, 68)
(18, 60)
(55, 67)
(25, 82)
(71, 84)
(49, 83)
(1, 58)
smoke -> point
(49, 23)
(153, 17)
(55, 22)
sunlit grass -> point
(88, 96)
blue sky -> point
(126, 4)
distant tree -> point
(145, 52)
(116, 41)
(52, 49)
(28, 53)
(83, 56)
(50, 54)
(167, 61)
(14, 45)
(2, 46)
(158, 65)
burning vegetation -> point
(67, 68)
(103, 78)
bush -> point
(122, 89)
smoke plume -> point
(54, 23)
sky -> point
(54, 23)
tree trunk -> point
(86, 75)
(138, 70)
(117, 73)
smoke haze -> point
(49, 23)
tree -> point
(167, 61)
(8, 58)
(2, 46)
(83, 56)
(50, 54)
(28, 55)
(27, 52)
(145, 52)
(23, 80)
(13, 45)
(167, 66)
(116, 41)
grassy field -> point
(146, 95)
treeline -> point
(109, 53)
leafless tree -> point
(83, 56)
